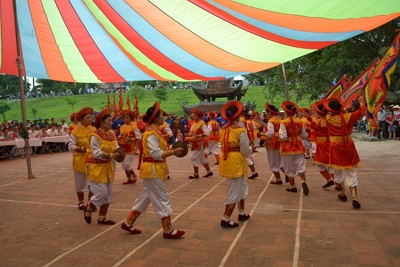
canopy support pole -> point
(22, 96)
(285, 82)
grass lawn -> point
(59, 108)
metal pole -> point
(285, 82)
(22, 96)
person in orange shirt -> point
(127, 140)
(319, 125)
(303, 114)
(272, 142)
(343, 156)
(198, 138)
(213, 138)
(291, 133)
(249, 127)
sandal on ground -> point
(292, 189)
(130, 229)
(276, 182)
(209, 174)
(105, 221)
(229, 224)
(81, 205)
(194, 176)
(128, 182)
(87, 215)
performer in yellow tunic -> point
(154, 172)
(79, 144)
(100, 167)
(129, 135)
(291, 134)
(235, 147)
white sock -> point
(226, 219)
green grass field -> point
(59, 108)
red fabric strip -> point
(84, 42)
(9, 45)
(145, 47)
(257, 31)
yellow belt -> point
(338, 139)
(293, 138)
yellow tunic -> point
(127, 137)
(82, 136)
(101, 171)
(235, 165)
(152, 168)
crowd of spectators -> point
(387, 120)
(38, 128)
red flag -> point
(115, 107)
(377, 86)
(136, 104)
(339, 87)
(108, 101)
(355, 89)
(128, 103)
(120, 100)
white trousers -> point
(102, 193)
(213, 147)
(275, 160)
(237, 190)
(348, 176)
(127, 163)
(198, 157)
(80, 181)
(154, 192)
(322, 167)
(293, 164)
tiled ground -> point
(41, 225)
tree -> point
(313, 74)
(71, 101)
(4, 107)
(34, 111)
(160, 94)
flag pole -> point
(22, 96)
(285, 82)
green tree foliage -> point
(71, 101)
(4, 107)
(314, 74)
(34, 112)
(160, 94)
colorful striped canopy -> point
(114, 40)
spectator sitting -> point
(53, 131)
(64, 131)
(44, 132)
(63, 124)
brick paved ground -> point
(41, 225)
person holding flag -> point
(343, 156)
